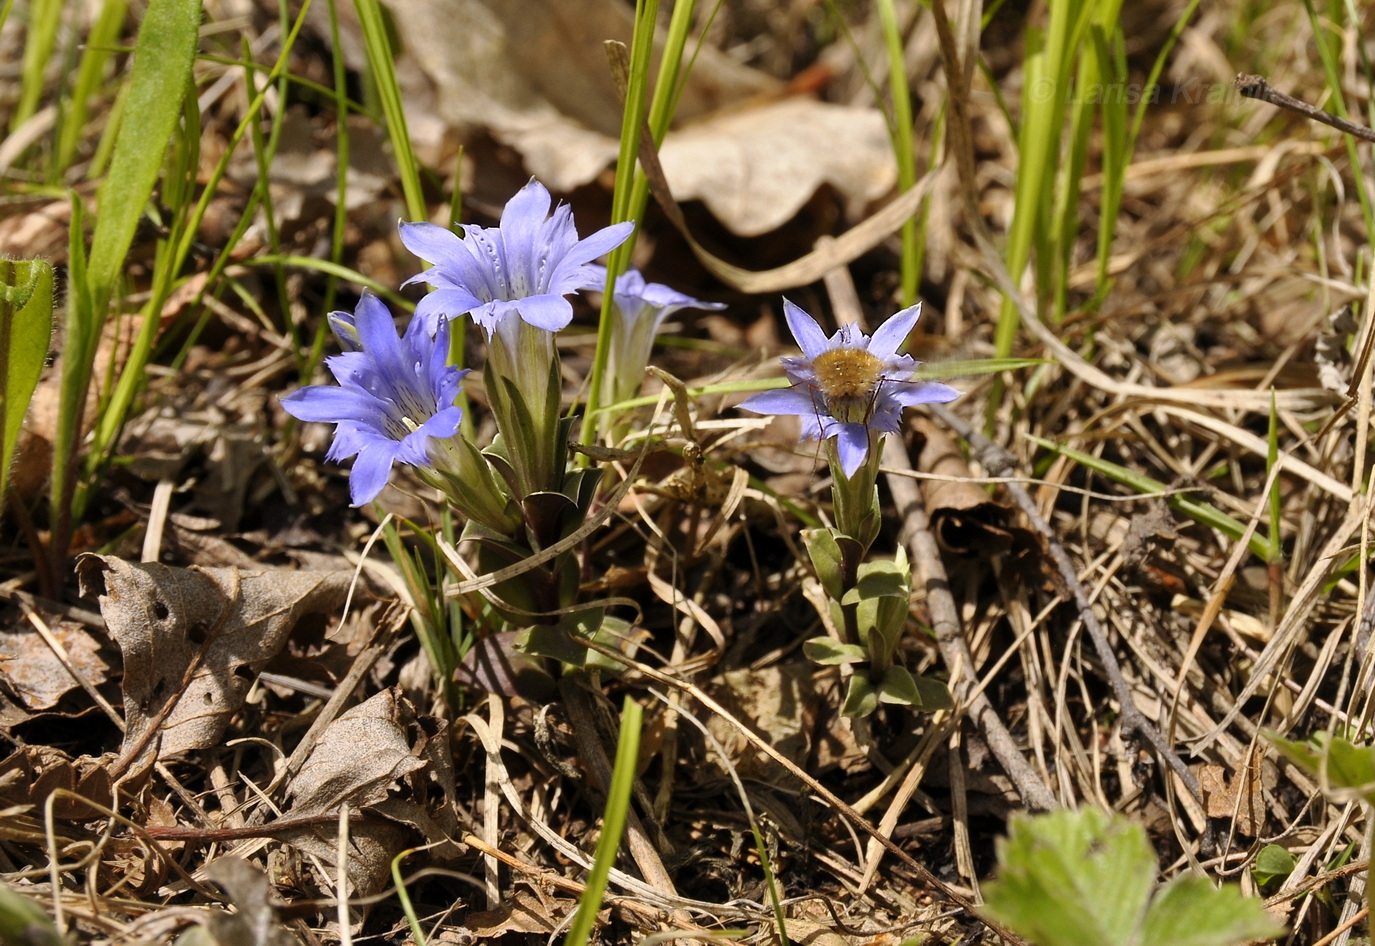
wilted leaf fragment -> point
(26, 324)
(1083, 878)
(255, 922)
(382, 757)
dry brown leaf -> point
(779, 703)
(359, 757)
(217, 626)
(1220, 799)
(378, 756)
(533, 74)
(527, 911)
(34, 673)
(255, 921)
(31, 773)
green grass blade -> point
(900, 130)
(380, 61)
(26, 324)
(1202, 513)
(162, 66)
(89, 78)
(1275, 553)
(178, 195)
(161, 77)
(45, 16)
(613, 824)
(404, 897)
(78, 352)
(622, 200)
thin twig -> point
(1255, 87)
(950, 639)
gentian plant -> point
(850, 389)
(513, 280)
(396, 401)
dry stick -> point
(997, 460)
(950, 639)
(1001, 463)
(1255, 87)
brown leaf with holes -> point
(193, 641)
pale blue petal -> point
(444, 303)
(794, 400)
(598, 244)
(891, 334)
(852, 443)
(371, 470)
(344, 329)
(913, 393)
(377, 332)
(431, 242)
(810, 338)
(526, 211)
(547, 312)
(324, 404)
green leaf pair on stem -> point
(868, 605)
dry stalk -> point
(1000, 463)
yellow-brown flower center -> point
(847, 378)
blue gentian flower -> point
(526, 265)
(642, 307)
(850, 384)
(394, 394)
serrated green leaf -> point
(1085, 878)
(831, 653)
(1190, 911)
(1073, 878)
(1272, 863)
(860, 698)
(26, 323)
